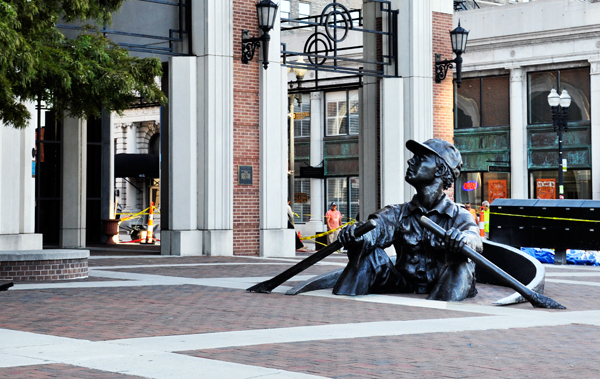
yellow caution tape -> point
(134, 215)
(544, 217)
(327, 232)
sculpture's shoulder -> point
(391, 213)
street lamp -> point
(560, 109)
(266, 12)
(458, 38)
(299, 72)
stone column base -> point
(15, 242)
(181, 242)
(218, 243)
(197, 242)
(277, 243)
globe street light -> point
(560, 109)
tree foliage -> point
(80, 75)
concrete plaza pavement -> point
(190, 317)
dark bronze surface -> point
(268, 285)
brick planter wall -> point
(56, 269)
(38, 265)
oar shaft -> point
(268, 285)
(480, 260)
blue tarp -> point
(574, 257)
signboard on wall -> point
(497, 189)
(546, 188)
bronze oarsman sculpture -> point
(436, 241)
(425, 264)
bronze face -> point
(421, 169)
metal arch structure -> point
(161, 43)
(330, 30)
(465, 5)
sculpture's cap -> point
(440, 148)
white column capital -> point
(594, 66)
(318, 95)
(516, 74)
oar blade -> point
(541, 301)
(262, 287)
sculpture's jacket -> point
(421, 257)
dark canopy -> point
(136, 165)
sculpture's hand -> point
(455, 240)
(351, 242)
(348, 238)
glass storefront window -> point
(495, 101)
(341, 190)
(341, 113)
(337, 190)
(543, 184)
(575, 81)
(476, 187)
(301, 200)
(482, 102)
(302, 120)
(577, 84)
(468, 104)
(540, 84)
(468, 188)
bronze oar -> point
(268, 285)
(536, 299)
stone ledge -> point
(43, 255)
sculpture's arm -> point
(463, 232)
(387, 221)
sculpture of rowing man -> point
(425, 263)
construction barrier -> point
(150, 228)
(482, 224)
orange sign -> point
(497, 189)
(546, 188)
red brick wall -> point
(246, 234)
(57, 269)
(443, 123)
(443, 117)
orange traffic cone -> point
(482, 224)
(149, 237)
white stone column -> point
(392, 142)
(182, 236)
(369, 110)
(213, 44)
(415, 67)
(595, 125)
(518, 134)
(27, 183)
(74, 182)
(391, 116)
(17, 188)
(276, 240)
(317, 131)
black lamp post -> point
(266, 11)
(458, 38)
(560, 109)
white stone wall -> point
(534, 36)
